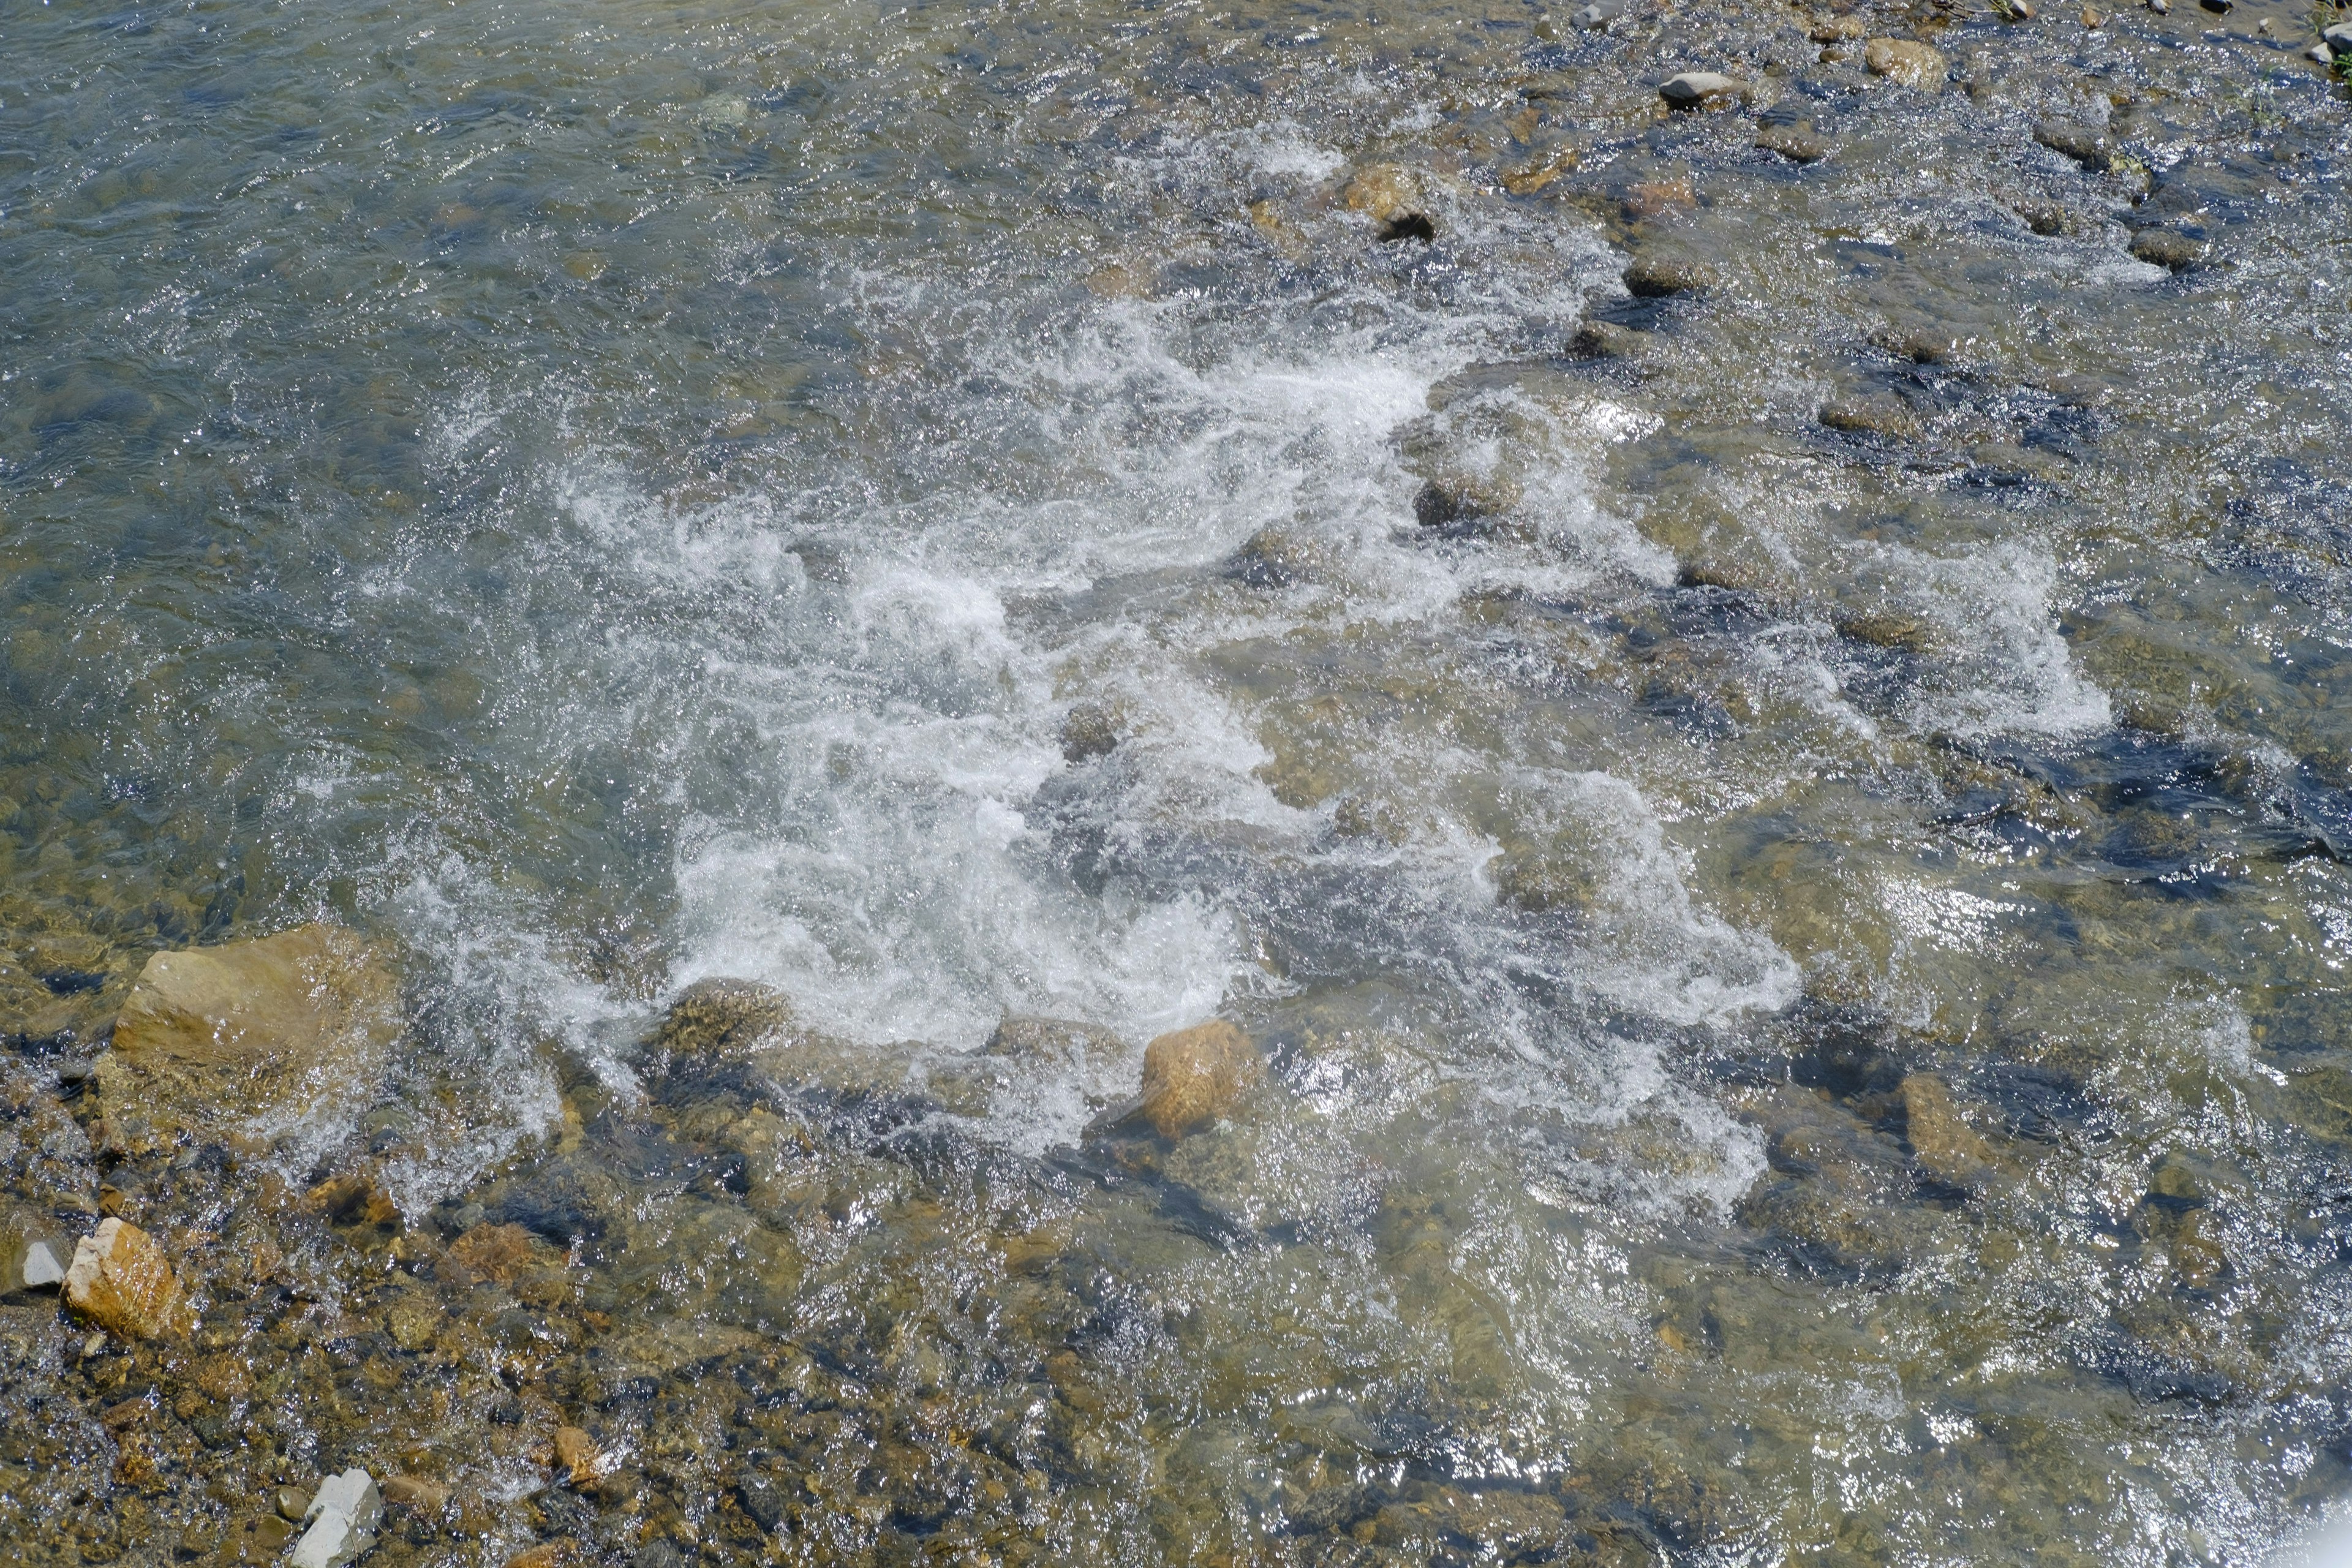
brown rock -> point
(1885, 417)
(1649, 198)
(1396, 199)
(496, 1252)
(1196, 1075)
(577, 1456)
(252, 1035)
(353, 1199)
(122, 1283)
(1899, 59)
(414, 1491)
(1660, 277)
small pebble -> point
(2263, 27)
(290, 1503)
(2161, 7)
(2321, 54)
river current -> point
(1782, 837)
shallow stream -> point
(1785, 840)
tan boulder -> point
(1196, 1075)
(122, 1283)
(1899, 59)
(260, 1037)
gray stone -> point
(1600, 13)
(2339, 38)
(343, 1519)
(1694, 89)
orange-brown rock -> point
(252, 1037)
(1195, 1076)
(501, 1253)
(122, 1283)
(577, 1456)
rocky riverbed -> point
(1159, 785)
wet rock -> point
(1275, 558)
(1885, 417)
(1900, 60)
(2337, 38)
(1540, 172)
(1600, 13)
(2219, 7)
(353, 1198)
(2045, 218)
(120, 1281)
(1396, 199)
(1920, 345)
(31, 1258)
(1701, 90)
(267, 1036)
(1605, 339)
(342, 1522)
(1946, 1147)
(2086, 144)
(289, 1503)
(1193, 1076)
(501, 1253)
(1461, 506)
(1646, 199)
(721, 1020)
(1794, 142)
(2166, 248)
(1662, 277)
(1090, 730)
(417, 1492)
(413, 1321)
(584, 1463)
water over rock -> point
(1900, 60)
(262, 1037)
(122, 1283)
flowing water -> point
(1785, 843)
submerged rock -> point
(2166, 248)
(1662, 277)
(1396, 199)
(2087, 145)
(1794, 142)
(1195, 1076)
(1605, 339)
(1946, 1147)
(714, 1020)
(261, 1035)
(122, 1283)
(343, 1519)
(31, 1259)
(1900, 60)
(1701, 90)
